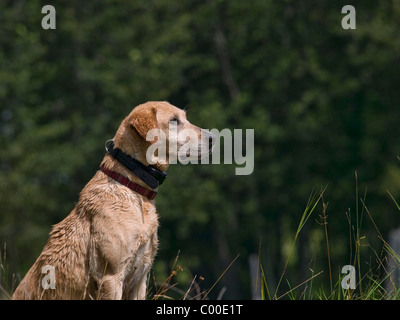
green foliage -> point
(322, 101)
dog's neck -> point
(136, 148)
(133, 167)
(112, 164)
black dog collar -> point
(148, 174)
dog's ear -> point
(144, 120)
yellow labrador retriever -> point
(105, 247)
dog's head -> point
(159, 133)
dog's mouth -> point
(207, 146)
(197, 154)
(211, 142)
(192, 154)
(202, 149)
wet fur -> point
(105, 247)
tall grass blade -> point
(313, 201)
(395, 202)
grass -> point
(369, 286)
(5, 287)
(311, 204)
(170, 291)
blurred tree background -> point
(321, 99)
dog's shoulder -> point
(106, 198)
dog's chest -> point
(144, 246)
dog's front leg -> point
(141, 290)
(110, 288)
(138, 291)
